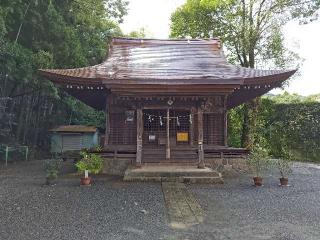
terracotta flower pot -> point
(284, 181)
(51, 180)
(257, 181)
(85, 181)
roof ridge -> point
(146, 41)
(168, 39)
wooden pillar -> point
(139, 137)
(200, 139)
(168, 135)
(225, 121)
(225, 133)
(107, 132)
(192, 113)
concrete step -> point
(209, 180)
(189, 174)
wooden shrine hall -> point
(166, 101)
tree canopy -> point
(249, 29)
(140, 33)
(51, 34)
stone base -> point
(186, 174)
(225, 166)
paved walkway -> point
(183, 209)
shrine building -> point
(166, 101)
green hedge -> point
(283, 127)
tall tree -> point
(251, 33)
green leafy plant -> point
(90, 162)
(96, 148)
(52, 168)
(258, 161)
(284, 166)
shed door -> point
(72, 142)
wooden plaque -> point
(182, 136)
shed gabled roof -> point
(134, 65)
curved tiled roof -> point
(134, 64)
(148, 61)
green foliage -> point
(52, 168)
(258, 161)
(284, 166)
(91, 162)
(140, 33)
(51, 34)
(81, 114)
(299, 128)
(235, 120)
(287, 125)
(250, 30)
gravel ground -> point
(238, 210)
(112, 209)
(109, 209)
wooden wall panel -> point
(213, 124)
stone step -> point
(210, 180)
(173, 174)
(173, 154)
(172, 158)
(173, 150)
(190, 174)
(182, 154)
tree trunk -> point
(27, 119)
(250, 114)
(21, 117)
(37, 121)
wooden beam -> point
(200, 139)
(139, 137)
(192, 113)
(107, 132)
(225, 120)
(173, 91)
(169, 86)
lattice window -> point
(213, 129)
(155, 126)
(122, 131)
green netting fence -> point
(11, 153)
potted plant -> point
(284, 166)
(52, 170)
(89, 163)
(258, 162)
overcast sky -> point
(154, 15)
